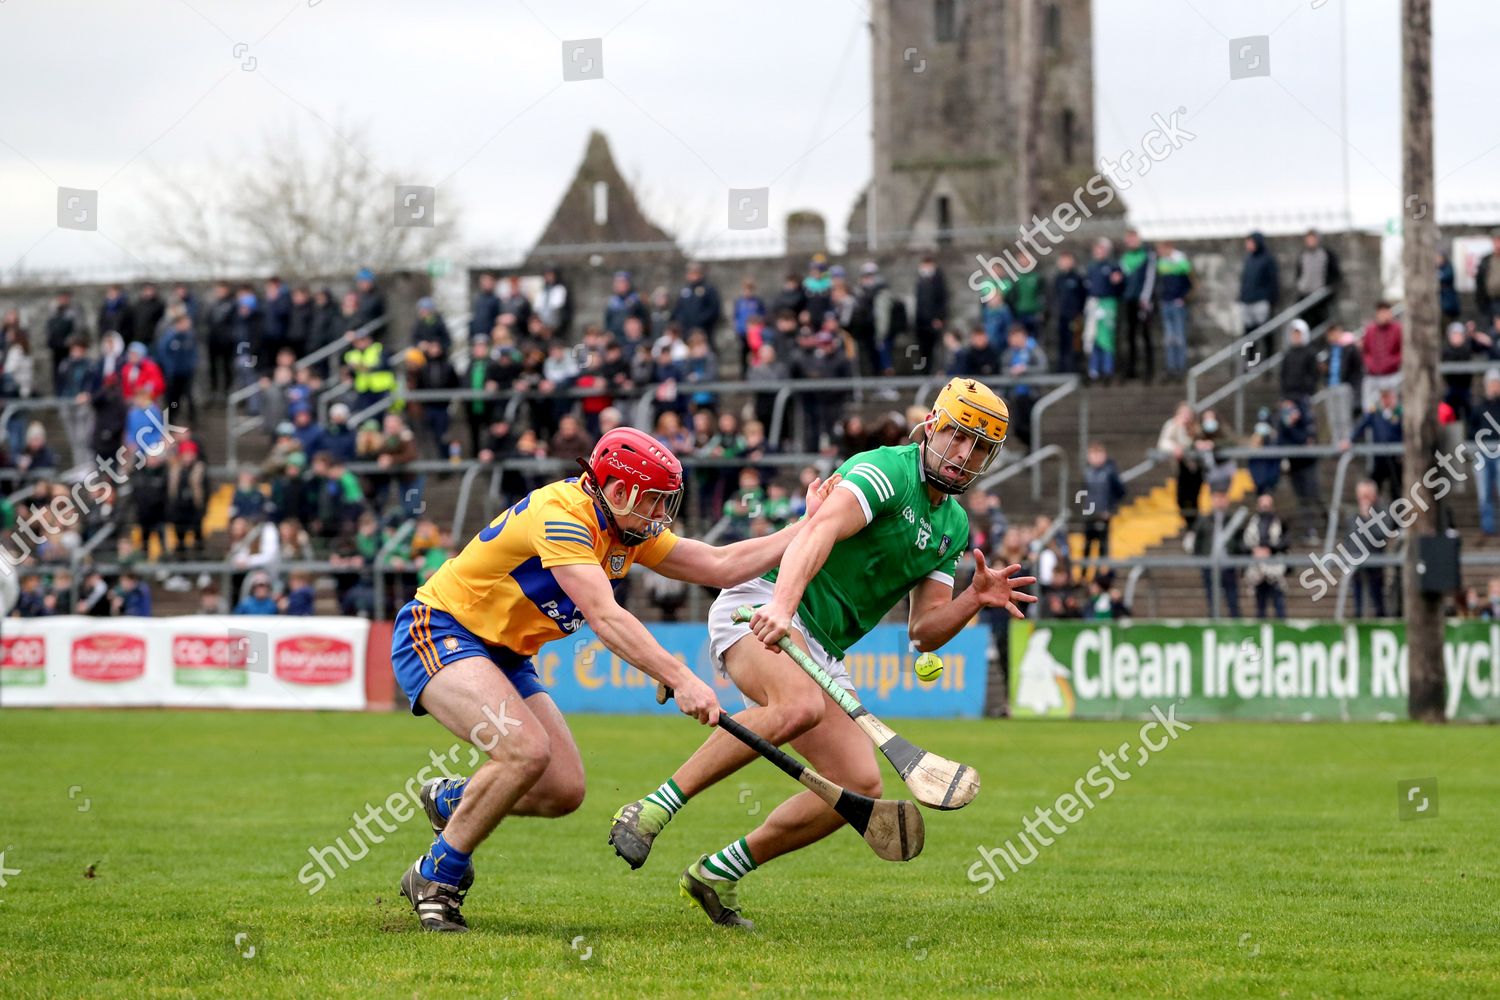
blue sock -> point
(449, 795)
(444, 863)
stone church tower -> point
(948, 91)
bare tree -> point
(293, 207)
(690, 225)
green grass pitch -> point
(1264, 860)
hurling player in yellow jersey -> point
(462, 648)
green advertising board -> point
(1241, 670)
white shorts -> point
(724, 631)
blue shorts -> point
(424, 640)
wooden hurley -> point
(935, 782)
(893, 828)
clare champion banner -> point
(1250, 670)
(583, 676)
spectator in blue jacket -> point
(978, 357)
(1069, 296)
(1447, 290)
(114, 312)
(485, 309)
(176, 352)
(133, 596)
(36, 454)
(259, 600)
(430, 326)
(299, 596)
(338, 438)
(747, 306)
(276, 317)
(1106, 283)
(1104, 489)
(306, 430)
(624, 302)
(1265, 473)
(994, 313)
(698, 305)
(1382, 426)
(247, 501)
(1023, 356)
(248, 335)
(1484, 418)
(1260, 286)
(1298, 432)
(1175, 273)
(77, 381)
(144, 425)
(371, 298)
(32, 600)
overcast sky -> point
(696, 98)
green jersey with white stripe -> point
(905, 540)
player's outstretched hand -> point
(818, 491)
(697, 699)
(769, 624)
(997, 588)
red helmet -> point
(649, 468)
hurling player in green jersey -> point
(892, 527)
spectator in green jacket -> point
(1026, 295)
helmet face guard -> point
(657, 507)
(652, 476)
(970, 464)
(966, 412)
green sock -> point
(669, 797)
(731, 864)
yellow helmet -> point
(976, 411)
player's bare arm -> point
(839, 518)
(937, 615)
(624, 635)
(693, 561)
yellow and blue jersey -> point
(501, 588)
(498, 597)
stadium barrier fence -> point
(334, 663)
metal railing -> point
(1341, 471)
(16, 406)
(1041, 406)
(1141, 566)
(397, 537)
(1051, 453)
(1236, 349)
(234, 429)
(1239, 383)
(472, 469)
(1132, 580)
(644, 399)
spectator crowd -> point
(354, 414)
